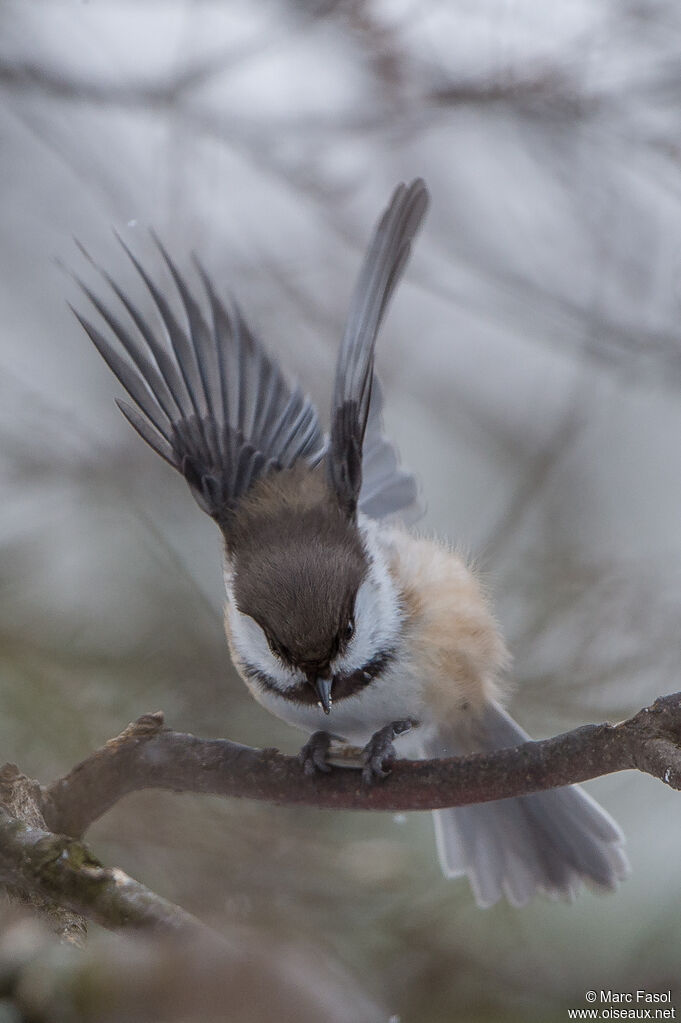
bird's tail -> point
(548, 842)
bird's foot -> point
(379, 754)
(313, 756)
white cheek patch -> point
(251, 644)
(377, 611)
(362, 646)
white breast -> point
(394, 695)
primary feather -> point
(384, 263)
(208, 398)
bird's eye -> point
(349, 629)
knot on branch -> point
(142, 728)
(21, 796)
(655, 738)
(663, 716)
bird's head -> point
(307, 601)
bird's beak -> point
(323, 687)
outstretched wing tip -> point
(178, 381)
(384, 263)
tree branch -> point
(63, 870)
(147, 755)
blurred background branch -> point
(150, 977)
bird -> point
(338, 614)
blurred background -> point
(532, 370)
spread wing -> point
(207, 396)
(383, 265)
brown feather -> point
(298, 562)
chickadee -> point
(335, 612)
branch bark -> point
(63, 870)
(37, 859)
(147, 755)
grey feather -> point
(150, 343)
(146, 431)
(383, 265)
(386, 488)
(131, 381)
(548, 842)
(208, 397)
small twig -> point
(146, 755)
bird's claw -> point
(313, 755)
(379, 754)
